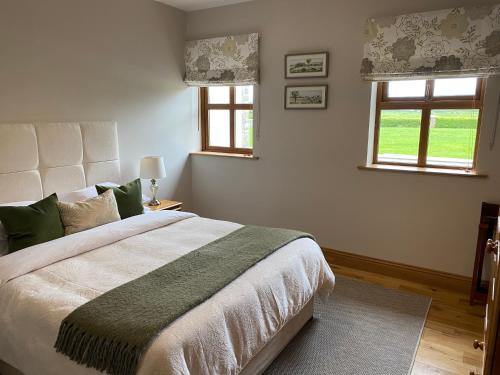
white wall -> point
(307, 177)
(122, 60)
(116, 60)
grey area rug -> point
(362, 329)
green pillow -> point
(128, 197)
(33, 224)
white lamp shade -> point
(152, 167)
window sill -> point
(421, 170)
(226, 155)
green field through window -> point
(452, 133)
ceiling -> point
(190, 5)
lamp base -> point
(154, 203)
(154, 189)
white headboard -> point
(39, 159)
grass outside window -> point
(426, 130)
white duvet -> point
(41, 285)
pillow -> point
(78, 195)
(4, 244)
(82, 194)
(128, 197)
(91, 213)
(4, 248)
(33, 224)
(145, 198)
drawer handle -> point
(492, 246)
(478, 345)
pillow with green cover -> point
(32, 225)
(128, 197)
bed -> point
(239, 330)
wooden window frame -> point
(426, 104)
(205, 107)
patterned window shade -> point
(226, 61)
(452, 42)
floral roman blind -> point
(452, 42)
(226, 61)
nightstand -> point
(166, 205)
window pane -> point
(399, 136)
(455, 87)
(218, 95)
(219, 128)
(452, 137)
(406, 89)
(244, 94)
(244, 129)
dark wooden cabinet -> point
(490, 344)
(487, 228)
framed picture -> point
(306, 97)
(308, 65)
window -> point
(428, 123)
(227, 119)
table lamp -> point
(153, 168)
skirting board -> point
(425, 276)
(5, 369)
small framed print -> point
(306, 97)
(310, 65)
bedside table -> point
(166, 205)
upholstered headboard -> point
(39, 159)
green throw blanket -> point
(111, 332)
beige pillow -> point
(90, 213)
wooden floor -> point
(451, 326)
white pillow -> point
(78, 195)
(4, 245)
(82, 194)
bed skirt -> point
(273, 348)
